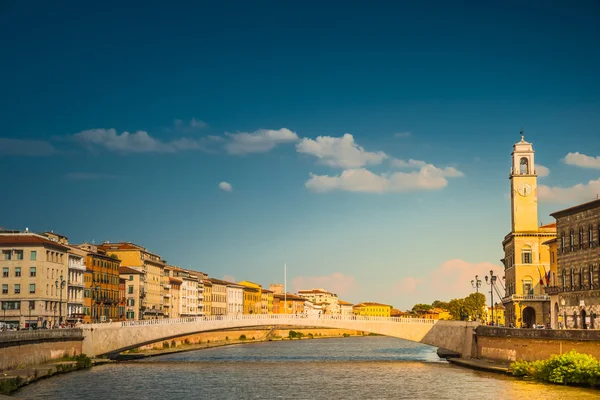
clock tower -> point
(523, 188)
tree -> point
(114, 256)
(456, 307)
(419, 308)
(475, 305)
(440, 304)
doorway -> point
(555, 317)
(583, 321)
(528, 317)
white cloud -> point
(339, 152)
(541, 170)
(259, 141)
(338, 283)
(88, 176)
(20, 147)
(138, 142)
(226, 186)
(581, 160)
(428, 177)
(402, 135)
(189, 126)
(579, 193)
(449, 172)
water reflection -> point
(349, 368)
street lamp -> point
(491, 282)
(59, 286)
(476, 284)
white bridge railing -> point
(274, 318)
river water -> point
(371, 367)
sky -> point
(366, 145)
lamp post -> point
(476, 284)
(59, 286)
(491, 281)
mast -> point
(285, 287)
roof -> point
(218, 281)
(575, 209)
(344, 303)
(314, 291)
(288, 296)
(175, 280)
(551, 225)
(547, 242)
(129, 271)
(28, 239)
(370, 304)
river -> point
(346, 368)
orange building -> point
(295, 304)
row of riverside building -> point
(49, 282)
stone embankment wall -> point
(257, 334)
(24, 348)
(534, 344)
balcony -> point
(167, 295)
(526, 297)
(77, 267)
(166, 286)
(77, 284)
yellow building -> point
(552, 288)
(153, 267)
(288, 304)
(266, 300)
(252, 297)
(133, 287)
(219, 296)
(526, 256)
(498, 318)
(369, 309)
(436, 313)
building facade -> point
(323, 297)
(252, 297)
(75, 285)
(266, 300)
(576, 296)
(235, 299)
(34, 280)
(371, 309)
(526, 257)
(219, 296)
(134, 288)
(153, 267)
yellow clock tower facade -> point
(526, 259)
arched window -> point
(571, 279)
(580, 277)
(581, 241)
(526, 255)
(564, 279)
(571, 239)
(590, 236)
(563, 246)
(524, 166)
(590, 276)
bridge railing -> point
(274, 318)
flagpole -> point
(285, 287)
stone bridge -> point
(115, 337)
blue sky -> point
(260, 96)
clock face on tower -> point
(524, 189)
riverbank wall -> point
(19, 349)
(510, 344)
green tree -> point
(417, 308)
(474, 305)
(440, 304)
(456, 307)
(114, 256)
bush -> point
(346, 335)
(226, 338)
(310, 336)
(568, 368)
(242, 337)
(295, 335)
(83, 361)
(186, 341)
(173, 344)
(165, 345)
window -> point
(5, 272)
(32, 305)
(527, 287)
(526, 253)
(33, 256)
(130, 277)
(571, 239)
(591, 277)
(562, 242)
(17, 272)
(581, 242)
(6, 254)
(130, 289)
(131, 302)
(524, 166)
(31, 288)
(19, 254)
(590, 236)
(32, 272)
(4, 289)
(571, 279)
(17, 288)
(12, 305)
(564, 279)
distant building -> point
(288, 304)
(252, 297)
(345, 308)
(498, 318)
(208, 297)
(134, 291)
(371, 309)
(266, 300)
(235, 299)
(219, 296)
(277, 288)
(321, 296)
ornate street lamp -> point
(476, 284)
(59, 286)
(491, 280)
